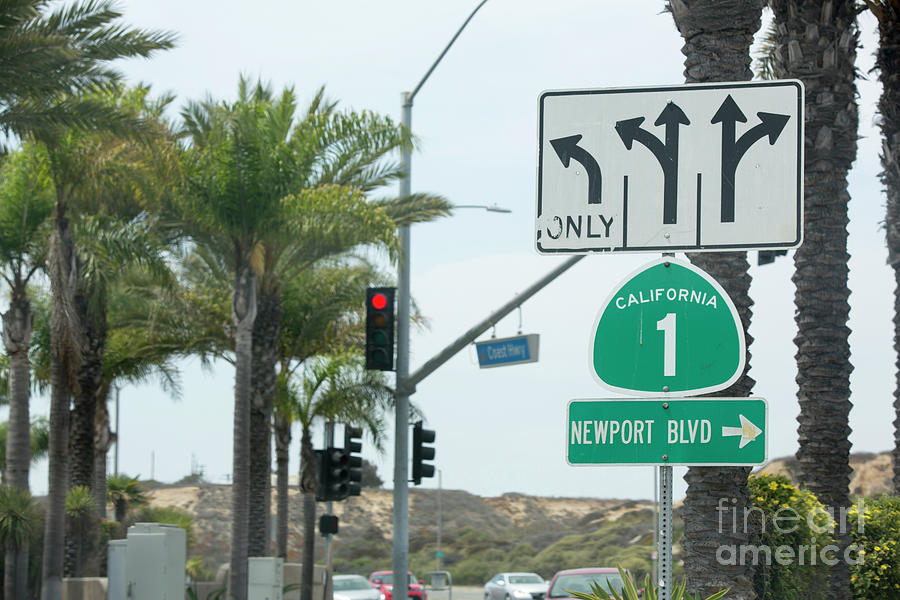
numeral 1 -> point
(667, 326)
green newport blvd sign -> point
(668, 330)
(693, 431)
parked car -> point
(354, 587)
(383, 581)
(580, 580)
(515, 586)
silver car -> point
(354, 587)
(515, 586)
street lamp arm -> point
(468, 337)
(409, 98)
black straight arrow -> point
(567, 149)
(630, 131)
(733, 149)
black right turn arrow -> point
(567, 149)
(733, 149)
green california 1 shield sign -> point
(669, 329)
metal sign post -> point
(665, 533)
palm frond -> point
(415, 208)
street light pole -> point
(400, 564)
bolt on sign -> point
(666, 432)
(669, 329)
(712, 166)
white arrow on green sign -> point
(669, 329)
(658, 431)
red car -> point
(383, 580)
(580, 580)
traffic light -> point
(421, 453)
(333, 474)
(768, 256)
(380, 328)
(328, 524)
(352, 448)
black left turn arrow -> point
(567, 149)
(733, 148)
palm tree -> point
(99, 178)
(817, 43)
(69, 315)
(887, 62)
(18, 519)
(332, 388)
(324, 148)
(26, 200)
(714, 53)
(266, 199)
(46, 60)
(125, 493)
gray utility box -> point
(153, 556)
(265, 578)
(116, 585)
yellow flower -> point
(877, 548)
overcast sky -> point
(498, 430)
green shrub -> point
(171, 515)
(787, 514)
(876, 531)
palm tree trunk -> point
(17, 323)
(121, 510)
(887, 62)
(55, 518)
(86, 536)
(308, 483)
(282, 453)
(17, 327)
(65, 354)
(266, 330)
(102, 441)
(817, 44)
(714, 52)
(243, 312)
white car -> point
(515, 586)
(354, 587)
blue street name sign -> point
(508, 351)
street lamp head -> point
(489, 208)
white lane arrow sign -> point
(748, 431)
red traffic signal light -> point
(378, 301)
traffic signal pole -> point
(400, 552)
(400, 562)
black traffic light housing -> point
(352, 448)
(333, 474)
(380, 328)
(328, 524)
(421, 453)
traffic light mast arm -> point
(468, 337)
